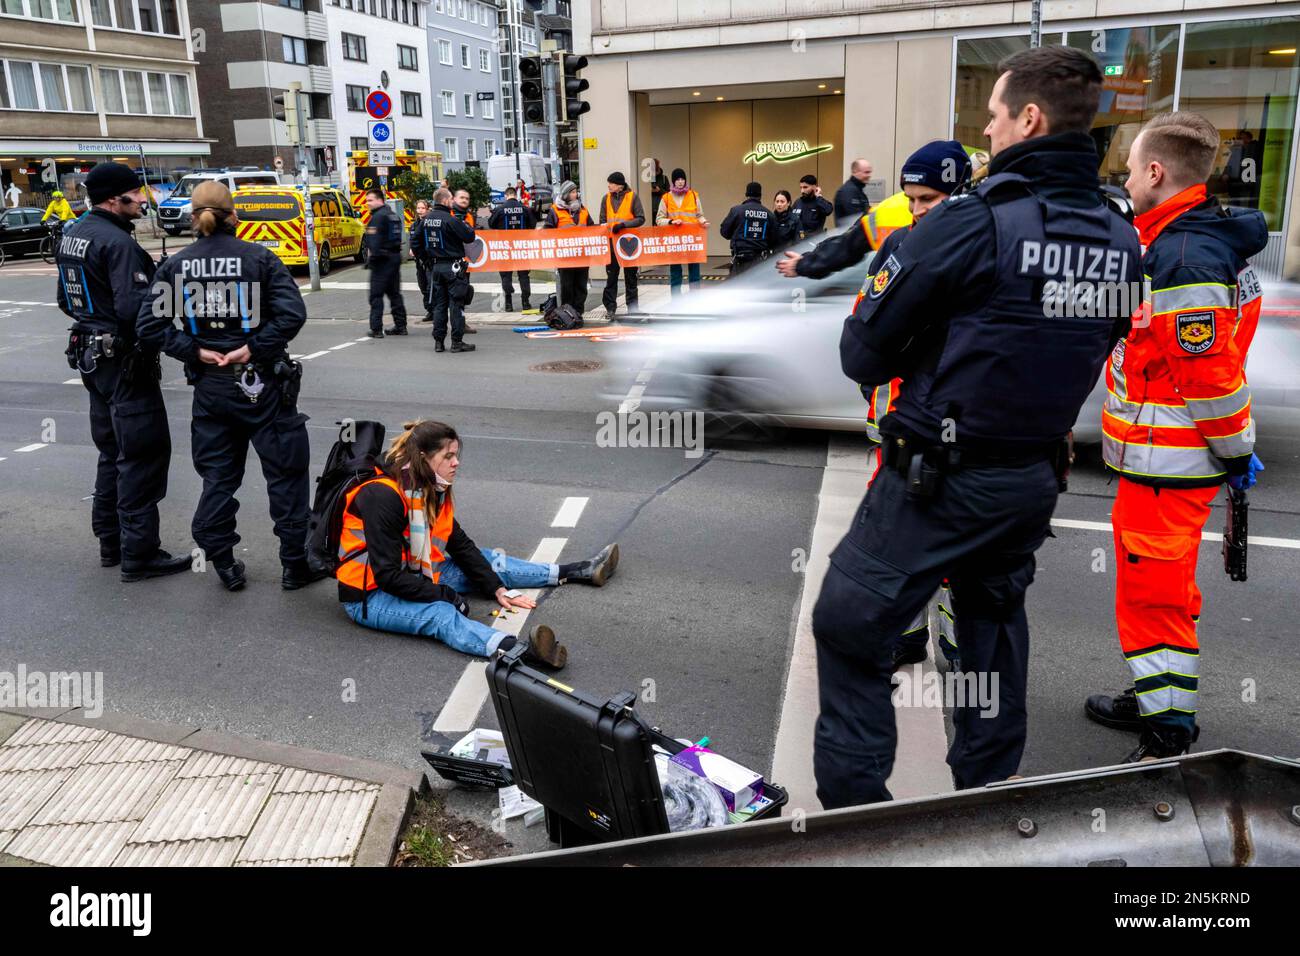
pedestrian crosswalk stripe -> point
(1289, 543)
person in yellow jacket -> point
(59, 208)
(679, 206)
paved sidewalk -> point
(122, 791)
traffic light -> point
(285, 107)
(571, 107)
(532, 92)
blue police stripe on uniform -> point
(245, 311)
(85, 292)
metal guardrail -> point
(1220, 808)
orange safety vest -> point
(564, 218)
(1178, 399)
(624, 207)
(354, 563)
(687, 208)
(467, 217)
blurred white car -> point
(764, 349)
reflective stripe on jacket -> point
(1178, 400)
(688, 207)
(354, 562)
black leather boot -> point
(110, 554)
(160, 565)
(1159, 742)
(299, 574)
(594, 571)
(231, 574)
(461, 346)
(1120, 712)
(510, 304)
(438, 345)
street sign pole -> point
(309, 223)
(1036, 23)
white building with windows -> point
(82, 81)
(380, 44)
(465, 78)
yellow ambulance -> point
(274, 216)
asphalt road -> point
(699, 620)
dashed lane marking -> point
(1289, 543)
(470, 693)
(48, 305)
(569, 513)
(32, 447)
(73, 381)
(307, 358)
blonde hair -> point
(407, 451)
(1185, 143)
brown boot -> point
(544, 650)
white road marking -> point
(919, 766)
(73, 381)
(48, 305)
(470, 693)
(342, 345)
(569, 513)
(307, 358)
(34, 447)
(1289, 543)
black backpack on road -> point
(352, 461)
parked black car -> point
(21, 230)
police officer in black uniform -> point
(415, 239)
(965, 311)
(512, 214)
(384, 244)
(812, 209)
(445, 236)
(104, 275)
(228, 309)
(751, 227)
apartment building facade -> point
(465, 72)
(83, 81)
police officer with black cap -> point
(445, 236)
(384, 244)
(104, 275)
(997, 315)
(228, 309)
(751, 227)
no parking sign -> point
(379, 104)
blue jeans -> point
(675, 277)
(439, 619)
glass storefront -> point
(1241, 75)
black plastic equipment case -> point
(589, 762)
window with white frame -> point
(470, 152)
(469, 105)
(451, 149)
(464, 55)
(444, 53)
(48, 87)
(484, 61)
(62, 11)
(140, 94)
(489, 109)
(489, 148)
(138, 16)
(448, 103)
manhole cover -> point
(568, 365)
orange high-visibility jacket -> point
(1178, 412)
(564, 218)
(354, 563)
(687, 207)
(624, 211)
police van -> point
(275, 217)
(175, 212)
(502, 172)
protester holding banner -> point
(680, 205)
(513, 214)
(621, 209)
(567, 213)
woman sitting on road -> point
(410, 561)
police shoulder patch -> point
(884, 279)
(141, 278)
(1195, 331)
